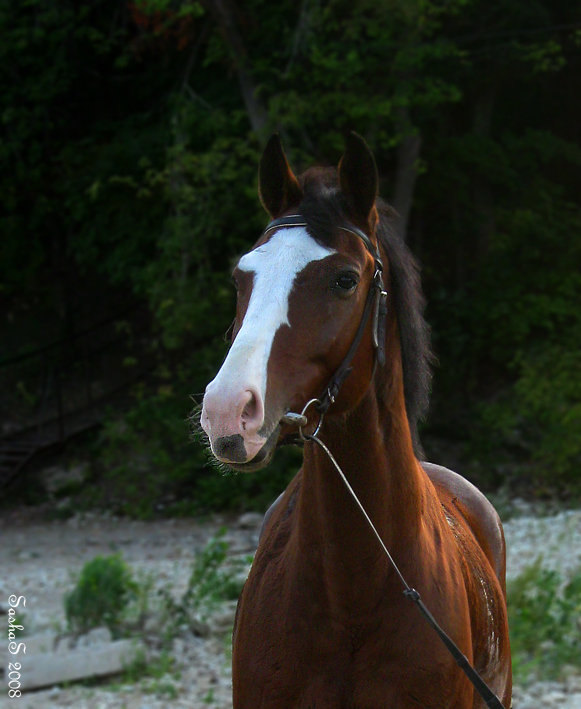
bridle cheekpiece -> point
(376, 301)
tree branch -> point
(223, 12)
(407, 153)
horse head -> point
(305, 293)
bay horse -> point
(322, 621)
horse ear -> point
(278, 188)
(358, 177)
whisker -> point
(198, 435)
(194, 419)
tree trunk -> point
(408, 153)
(483, 198)
(224, 12)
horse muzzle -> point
(233, 422)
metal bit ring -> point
(303, 412)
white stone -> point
(222, 620)
(96, 636)
(44, 669)
(40, 643)
(250, 520)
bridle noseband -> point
(376, 301)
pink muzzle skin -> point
(232, 420)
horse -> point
(321, 620)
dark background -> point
(131, 134)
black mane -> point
(414, 331)
(324, 209)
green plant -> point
(136, 669)
(545, 625)
(104, 590)
(210, 584)
(209, 698)
(164, 689)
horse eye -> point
(346, 282)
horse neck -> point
(373, 446)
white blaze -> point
(275, 265)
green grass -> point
(545, 623)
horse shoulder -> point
(269, 512)
(478, 512)
(259, 615)
(282, 506)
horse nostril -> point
(249, 411)
(252, 413)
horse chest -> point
(331, 675)
(295, 653)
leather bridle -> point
(377, 298)
(376, 301)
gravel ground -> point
(555, 539)
(38, 559)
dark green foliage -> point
(104, 590)
(154, 461)
(544, 612)
(207, 579)
(106, 593)
(212, 582)
(131, 138)
(209, 583)
(515, 328)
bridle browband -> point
(377, 297)
(376, 301)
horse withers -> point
(330, 311)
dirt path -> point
(38, 559)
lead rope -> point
(322, 404)
(490, 699)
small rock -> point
(179, 650)
(64, 644)
(57, 479)
(555, 697)
(223, 620)
(200, 628)
(40, 643)
(27, 554)
(250, 520)
(572, 678)
(47, 669)
(96, 636)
